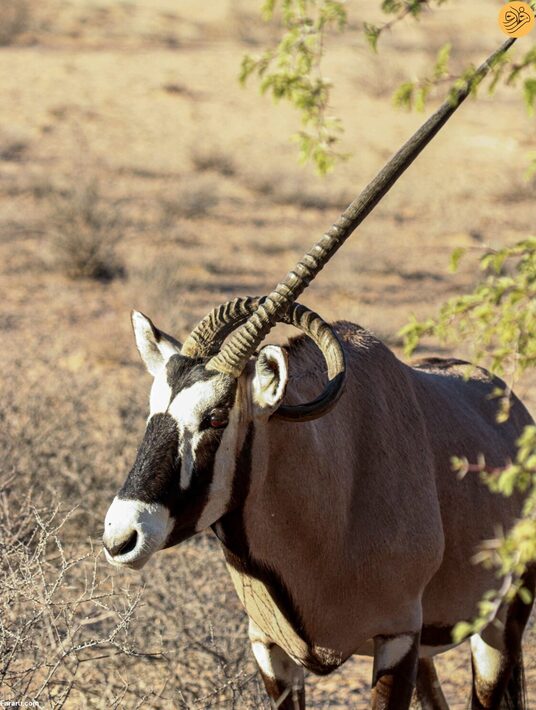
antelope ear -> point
(154, 346)
(270, 379)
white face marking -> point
(160, 393)
(392, 651)
(188, 409)
(232, 441)
(191, 403)
(151, 522)
(487, 659)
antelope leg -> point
(282, 677)
(395, 671)
(428, 694)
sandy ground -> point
(132, 96)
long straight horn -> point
(243, 342)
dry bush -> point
(74, 632)
(56, 613)
(158, 288)
(154, 286)
(72, 635)
(193, 202)
(213, 160)
(293, 190)
(14, 19)
(12, 144)
(20, 17)
(245, 25)
(84, 234)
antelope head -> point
(183, 478)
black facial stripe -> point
(155, 476)
(232, 524)
(189, 504)
(242, 475)
(192, 502)
(157, 463)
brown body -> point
(359, 513)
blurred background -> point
(136, 173)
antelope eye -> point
(219, 418)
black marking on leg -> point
(428, 688)
(436, 635)
(157, 464)
(393, 687)
(283, 696)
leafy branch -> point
(413, 94)
(292, 71)
(398, 9)
(512, 553)
(499, 317)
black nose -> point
(122, 547)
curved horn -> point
(208, 335)
(325, 338)
(234, 355)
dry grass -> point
(296, 190)
(206, 160)
(84, 233)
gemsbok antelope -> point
(348, 533)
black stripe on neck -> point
(231, 532)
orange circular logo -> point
(516, 19)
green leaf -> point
(529, 92)
(441, 67)
(455, 258)
(461, 631)
(403, 96)
(372, 34)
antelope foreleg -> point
(282, 677)
(428, 694)
(395, 671)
